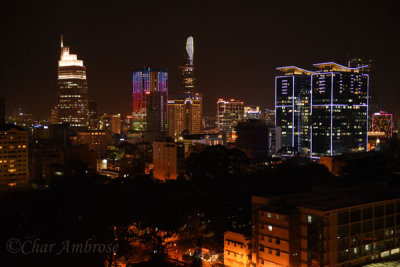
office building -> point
(292, 108)
(184, 114)
(14, 169)
(252, 139)
(383, 122)
(156, 116)
(339, 110)
(229, 114)
(73, 97)
(167, 160)
(368, 67)
(150, 93)
(329, 227)
(322, 112)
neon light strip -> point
(331, 113)
(366, 145)
(311, 105)
(339, 105)
(276, 78)
(293, 112)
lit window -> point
(269, 227)
(309, 219)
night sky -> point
(237, 46)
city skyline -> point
(111, 55)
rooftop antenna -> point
(62, 41)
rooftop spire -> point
(62, 41)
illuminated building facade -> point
(188, 69)
(185, 109)
(383, 122)
(150, 93)
(346, 227)
(252, 113)
(184, 114)
(73, 97)
(323, 112)
(237, 249)
(229, 114)
(292, 108)
(111, 123)
(167, 160)
(14, 169)
(339, 110)
(368, 67)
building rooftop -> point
(333, 66)
(325, 199)
(291, 70)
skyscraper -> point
(229, 114)
(324, 112)
(185, 109)
(188, 68)
(368, 67)
(292, 108)
(184, 114)
(150, 93)
(339, 110)
(73, 97)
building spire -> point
(62, 41)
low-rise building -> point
(237, 249)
